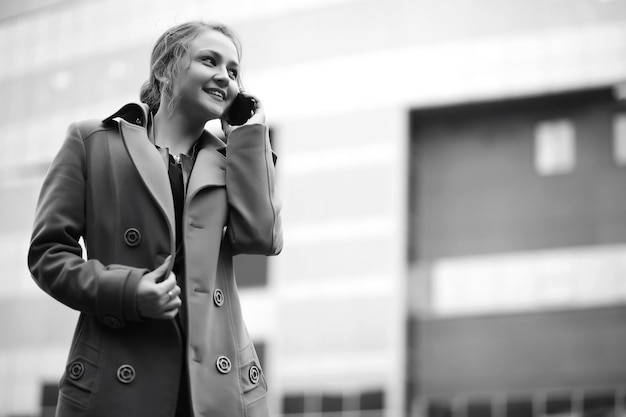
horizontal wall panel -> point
(521, 352)
(350, 257)
(329, 325)
(324, 196)
(36, 321)
(17, 207)
(578, 277)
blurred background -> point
(453, 175)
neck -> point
(175, 131)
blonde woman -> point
(162, 206)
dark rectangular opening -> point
(250, 270)
(519, 408)
(293, 404)
(601, 404)
(558, 404)
(439, 409)
(479, 408)
(332, 402)
(373, 400)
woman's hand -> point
(259, 113)
(257, 118)
(158, 299)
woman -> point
(162, 206)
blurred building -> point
(454, 186)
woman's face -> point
(209, 85)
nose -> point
(221, 77)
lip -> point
(216, 93)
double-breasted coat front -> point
(109, 185)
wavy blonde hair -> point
(166, 58)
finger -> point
(169, 315)
(171, 295)
(168, 282)
(174, 303)
(160, 270)
(171, 311)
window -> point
(334, 404)
(477, 408)
(49, 394)
(293, 404)
(374, 400)
(439, 409)
(519, 408)
(619, 138)
(250, 270)
(599, 404)
(558, 404)
(552, 403)
(555, 147)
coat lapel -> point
(209, 169)
(151, 168)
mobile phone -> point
(241, 110)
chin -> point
(214, 110)
(209, 112)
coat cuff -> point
(130, 294)
(116, 296)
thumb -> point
(159, 271)
(166, 263)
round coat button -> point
(254, 374)
(132, 237)
(218, 297)
(223, 364)
(76, 370)
(112, 322)
(126, 374)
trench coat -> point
(109, 185)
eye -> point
(208, 60)
(233, 74)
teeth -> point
(216, 93)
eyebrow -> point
(220, 56)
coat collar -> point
(139, 114)
(135, 113)
(209, 154)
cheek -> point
(233, 89)
(182, 83)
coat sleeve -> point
(55, 255)
(254, 224)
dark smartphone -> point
(241, 110)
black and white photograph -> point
(313, 208)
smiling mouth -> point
(220, 95)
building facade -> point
(452, 178)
